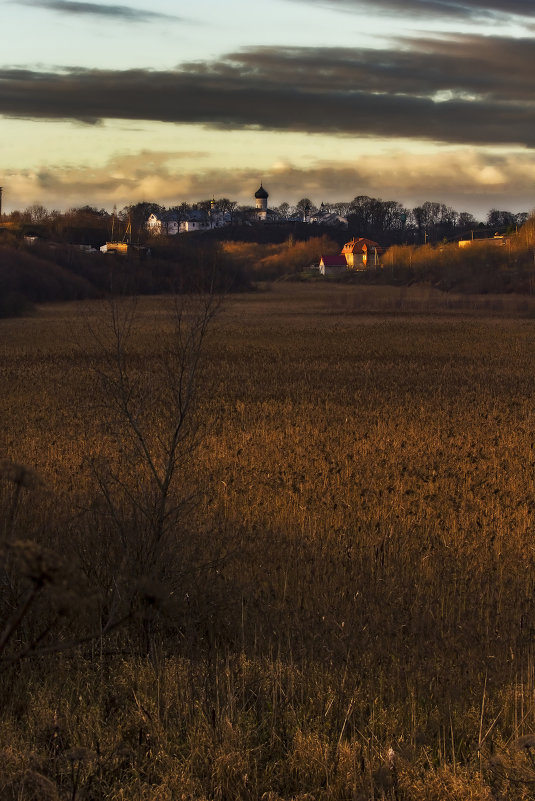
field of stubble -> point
(352, 570)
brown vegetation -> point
(342, 605)
(483, 266)
(46, 272)
(265, 262)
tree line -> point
(387, 221)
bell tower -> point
(261, 203)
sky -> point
(167, 101)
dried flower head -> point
(35, 562)
(79, 755)
(150, 592)
(19, 474)
(525, 742)
(37, 787)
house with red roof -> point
(362, 254)
(333, 265)
(358, 254)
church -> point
(261, 203)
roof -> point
(165, 216)
(328, 218)
(196, 215)
(334, 261)
(360, 245)
(261, 193)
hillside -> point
(46, 271)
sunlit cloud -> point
(465, 178)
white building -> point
(333, 265)
(166, 223)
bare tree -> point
(129, 538)
(42, 594)
(153, 429)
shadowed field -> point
(350, 570)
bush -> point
(14, 304)
(482, 267)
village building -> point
(362, 254)
(199, 220)
(195, 220)
(166, 223)
(497, 240)
(325, 217)
(170, 224)
(358, 254)
(333, 265)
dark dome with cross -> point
(261, 193)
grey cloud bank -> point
(118, 12)
(463, 89)
(445, 9)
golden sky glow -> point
(342, 99)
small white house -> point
(187, 226)
(154, 225)
(328, 218)
(332, 265)
(163, 224)
(172, 227)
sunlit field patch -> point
(353, 570)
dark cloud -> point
(446, 9)
(118, 12)
(466, 66)
(465, 90)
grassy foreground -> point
(344, 607)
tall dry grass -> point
(347, 610)
(265, 262)
(482, 267)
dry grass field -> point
(338, 601)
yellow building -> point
(362, 254)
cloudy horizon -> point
(359, 100)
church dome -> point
(261, 193)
